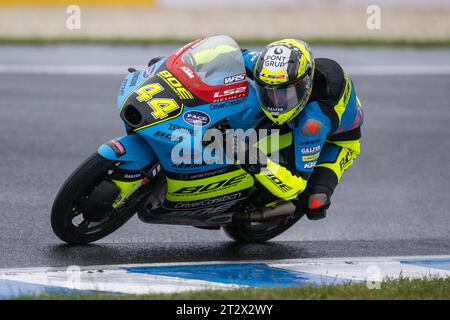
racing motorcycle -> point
(201, 86)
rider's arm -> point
(281, 182)
(310, 130)
(250, 58)
(260, 162)
(332, 90)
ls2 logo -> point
(230, 94)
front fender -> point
(132, 150)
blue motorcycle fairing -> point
(155, 142)
(137, 152)
(134, 80)
(241, 113)
(251, 114)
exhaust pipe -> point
(283, 209)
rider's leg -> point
(335, 158)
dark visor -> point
(281, 99)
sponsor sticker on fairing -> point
(135, 78)
(189, 73)
(235, 78)
(229, 94)
(208, 202)
(117, 147)
(227, 104)
(149, 71)
(197, 118)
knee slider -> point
(319, 197)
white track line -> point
(358, 70)
(64, 69)
(400, 70)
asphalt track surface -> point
(393, 201)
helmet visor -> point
(281, 99)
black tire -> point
(260, 232)
(79, 185)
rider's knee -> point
(316, 198)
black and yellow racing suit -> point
(326, 135)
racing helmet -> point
(283, 76)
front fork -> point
(138, 165)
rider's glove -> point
(250, 159)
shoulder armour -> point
(329, 81)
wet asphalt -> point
(393, 201)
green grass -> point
(242, 42)
(424, 289)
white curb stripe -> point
(123, 278)
(366, 269)
(117, 281)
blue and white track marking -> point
(180, 277)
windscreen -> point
(216, 61)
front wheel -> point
(69, 218)
(254, 232)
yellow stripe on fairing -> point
(220, 185)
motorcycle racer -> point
(189, 115)
(317, 101)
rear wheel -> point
(70, 218)
(252, 232)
